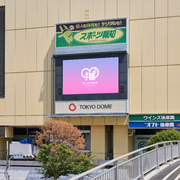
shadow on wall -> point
(45, 90)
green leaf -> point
(58, 160)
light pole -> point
(7, 163)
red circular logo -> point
(72, 107)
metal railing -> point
(143, 161)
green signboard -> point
(155, 117)
(91, 33)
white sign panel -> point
(18, 148)
(91, 107)
(141, 141)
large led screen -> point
(91, 76)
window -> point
(2, 52)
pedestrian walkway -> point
(30, 173)
(165, 172)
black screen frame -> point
(102, 96)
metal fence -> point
(141, 162)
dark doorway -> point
(109, 142)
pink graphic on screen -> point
(91, 76)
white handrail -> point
(80, 176)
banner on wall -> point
(91, 107)
(154, 121)
(91, 33)
(154, 117)
(155, 125)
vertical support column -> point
(7, 158)
(6, 153)
(157, 156)
(81, 178)
(165, 156)
(120, 140)
(171, 144)
(115, 164)
(98, 141)
(52, 85)
(141, 164)
(179, 149)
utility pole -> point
(7, 162)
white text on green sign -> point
(98, 35)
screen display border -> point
(84, 59)
(123, 59)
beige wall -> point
(30, 43)
(3, 148)
(131, 141)
(122, 143)
(98, 141)
(30, 29)
(109, 120)
(154, 57)
(100, 138)
(120, 140)
(8, 132)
